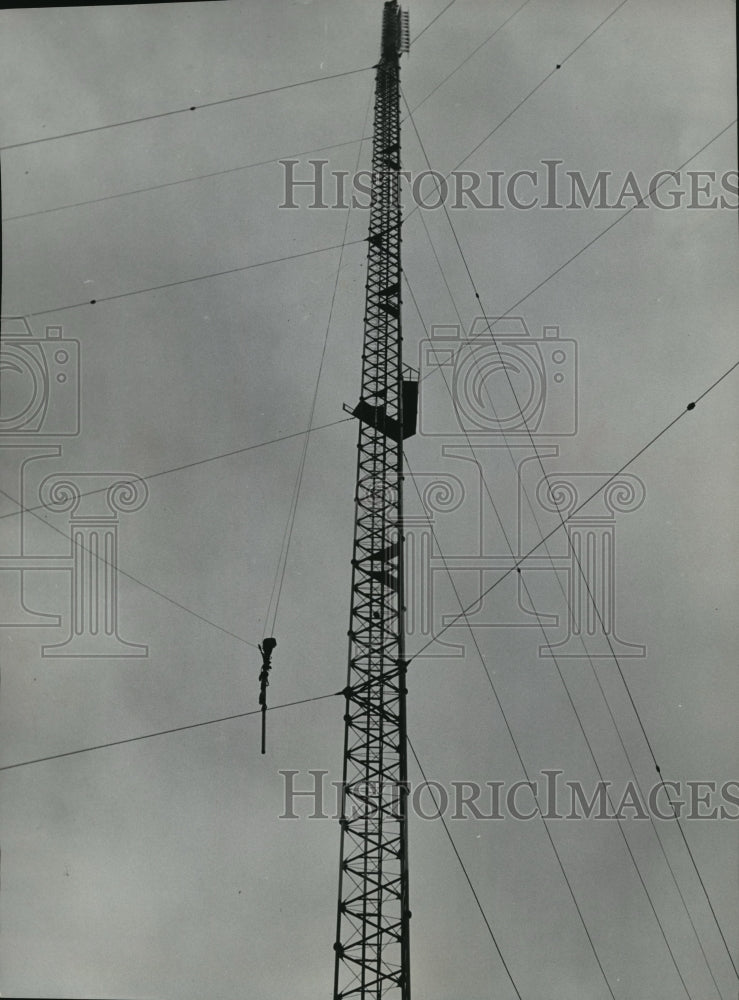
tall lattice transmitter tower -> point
(372, 926)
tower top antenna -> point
(395, 31)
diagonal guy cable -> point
(194, 464)
(180, 111)
(575, 556)
(167, 732)
(146, 586)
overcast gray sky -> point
(160, 868)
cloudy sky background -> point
(160, 868)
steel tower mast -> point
(372, 939)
